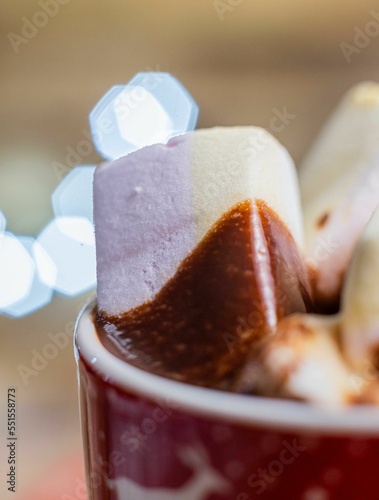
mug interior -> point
(279, 414)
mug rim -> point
(253, 411)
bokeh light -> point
(70, 244)
(73, 196)
(152, 108)
(135, 127)
(16, 271)
(39, 293)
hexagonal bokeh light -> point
(16, 271)
(152, 108)
(70, 244)
(73, 196)
(44, 274)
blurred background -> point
(243, 61)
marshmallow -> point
(301, 361)
(339, 182)
(360, 301)
(153, 207)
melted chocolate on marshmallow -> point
(226, 295)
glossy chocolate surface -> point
(225, 297)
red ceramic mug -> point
(147, 437)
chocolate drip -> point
(225, 297)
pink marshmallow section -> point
(144, 223)
(152, 207)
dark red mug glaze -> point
(163, 440)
